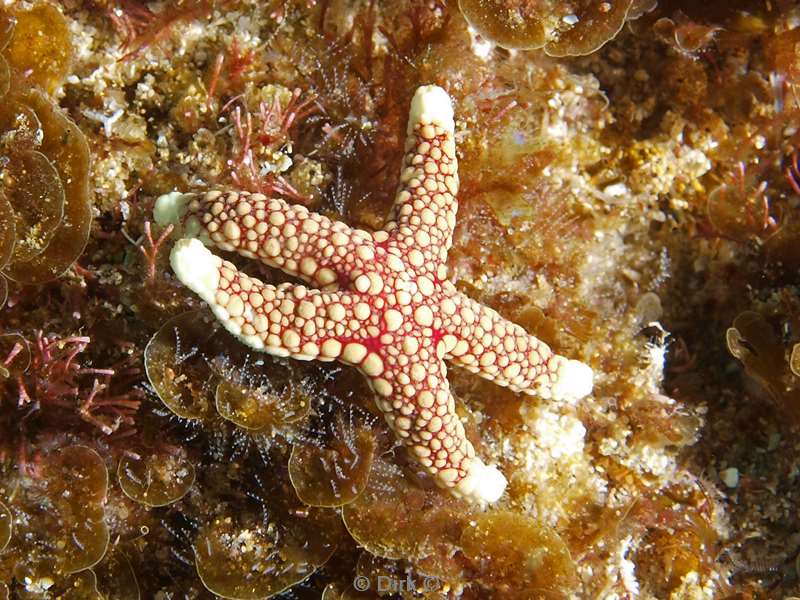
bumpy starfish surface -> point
(384, 304)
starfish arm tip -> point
(483, 484)
(575, 380)
(431, 104)
(170, 208)
(199, 270)
(196, 267)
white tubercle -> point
(431, 104)
(483, 484)
(575, 381)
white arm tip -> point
(170, 208)
(431, 104)
(574, 382)
(196, 267)
(483, 484)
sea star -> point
(385, 303)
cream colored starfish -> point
(385, 305)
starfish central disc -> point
(380, 302)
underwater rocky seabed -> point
(637, 207)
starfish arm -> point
(483, 342)
(287, 320)
(417, 404)
(301, 243)
(424, 214)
